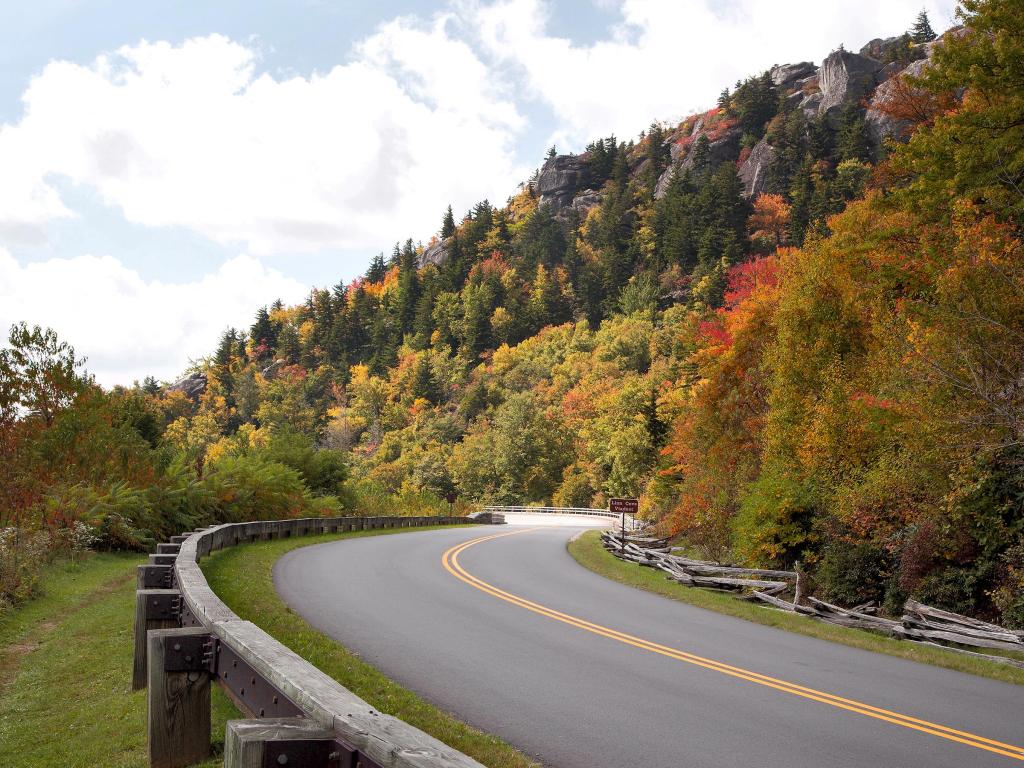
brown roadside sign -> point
(624, 506)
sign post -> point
(624, 507)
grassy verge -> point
(65, 673)
(589, 553)
(242, 578)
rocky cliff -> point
(866, 80)
(862, 79)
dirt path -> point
(14, 653)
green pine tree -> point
(852, 141)
(448, 224)
(377, 269)
(424, 385)
(922, 31)
(263, 332)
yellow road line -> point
(450, 560)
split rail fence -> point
(186, 639)
(920, 623)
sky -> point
(168, 168)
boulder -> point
(882, 126)
(270, 372)
(754, 171)
(193, 385)
(845, 77)
(435, 254)
(561, 178)
(789, 74)
(887, 49)
(586, 200)
(726, 147)
(890, 69)
(810, 103)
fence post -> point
(154, 609)
(179, 699)
(246, 742)
(798, 590)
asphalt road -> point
(579, 695)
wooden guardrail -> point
(586, 511)
(186, 639)
(576, 511)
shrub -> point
(255, 488)
(323, 471)
(774, 521)
(851, 574)
(1009, 595)
(961, 589)
(24, 553)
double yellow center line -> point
(450, 560)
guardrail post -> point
(179, 697)
(154, 609)
(248, 742)
(154, 576)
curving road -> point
(501, 627)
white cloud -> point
(191, 135)
(667, 59)
(128, 327)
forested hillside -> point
(792, 324)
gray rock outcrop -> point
(845, 77)
(754, 171)
(192, 386)
(561, 178)
(725, 147)
(435, 254)
(810, 104)
(789, 74)
(882, 126)
(663, 181)
(270, 372)
(586, 200)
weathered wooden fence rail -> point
(186, 639)
(920, 623)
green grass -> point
(242, 578)
(588, 552)
(65, 673)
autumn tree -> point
(39, 374)
(769, 223)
